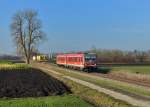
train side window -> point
(73, 59)
(79, 59)
(76, 59)
(69, 59)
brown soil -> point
(29, 83)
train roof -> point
(74, 54)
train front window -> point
(90, 58)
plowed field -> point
(16, 83)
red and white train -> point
(83, 61)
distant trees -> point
(141, 55)
(26, 32)
(118, 56)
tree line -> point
(119, 56)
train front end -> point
(90, 60)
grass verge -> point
(53, 101)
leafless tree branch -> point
(26, 31)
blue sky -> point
(73, 25)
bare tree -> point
(26, 32)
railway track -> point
(137, 100)
(97, 76)
(123, 79)
(116, 77)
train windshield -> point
(89, 57)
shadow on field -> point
(30, 82)
(103, 70)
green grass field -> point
(132, 69)
(53, 101)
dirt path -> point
(120, 96)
